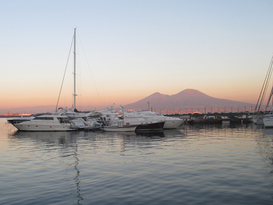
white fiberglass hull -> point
(258, 119)
(44, 123)
(31, 127)
(268, 122)
(172, 123)
(148, 116)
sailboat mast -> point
(75, 68)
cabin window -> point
(63, 120)
(43, 118)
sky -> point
(128, 50)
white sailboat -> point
(258, 115)
(58, 121)
(268, 118)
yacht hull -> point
(47, 123)
(47, 128)
(268, 122)
(150, 126)
(172, 124)
(258, 119)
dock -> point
(215, 118)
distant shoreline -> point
(15, 115)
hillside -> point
(186, 99)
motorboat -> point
(144, 124)
(111, 117)
(113, 123)
(87, 120)
(47, 122)
(120, 127)
(170, 122)
(21, 119)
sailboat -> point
(258, 116)
(56, 121)
(268, 118)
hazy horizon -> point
(50, 108)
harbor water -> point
(215, 164)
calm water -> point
(192, 165)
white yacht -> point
(170, 122)
(112, 118)
(47, 122)
(120, 127)
(83, 120)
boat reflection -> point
(268, 131)
(64, 143)
(71, 148)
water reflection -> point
(126, 168)
(77, 178)
(65, 143)
(64, 147)
(265, 144)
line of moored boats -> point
(66, 119)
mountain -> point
(186, 99)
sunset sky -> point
(127, 50)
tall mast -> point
(75, 68)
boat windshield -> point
(43, 118)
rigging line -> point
(64, 74)
(90, 71)
(80, 86)
(267, 81)
(262, 90)
(270, 96)
(264, 87)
